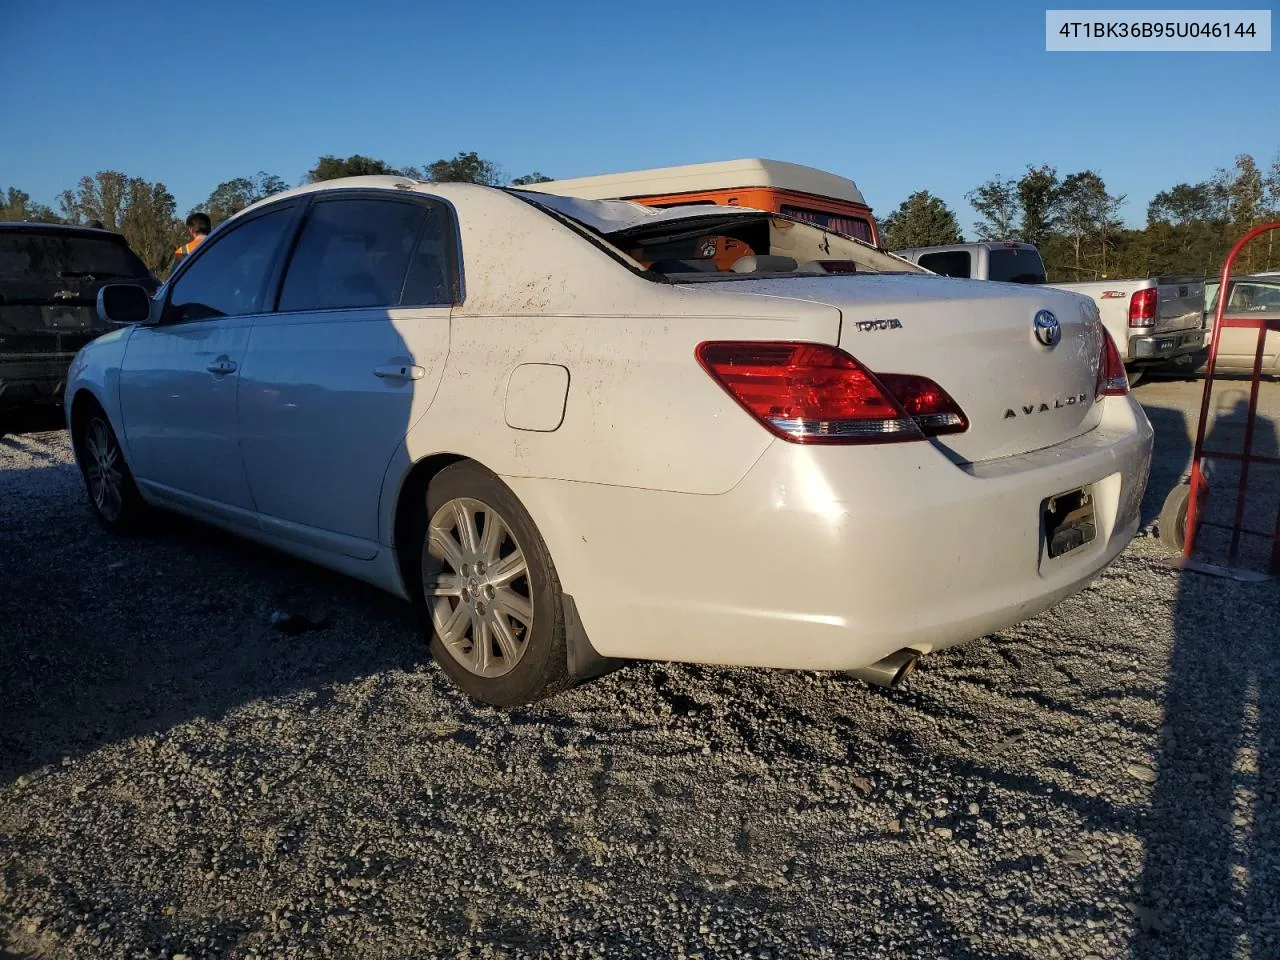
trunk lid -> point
(977, 340)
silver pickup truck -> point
(1153, 320)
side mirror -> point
(121, 304)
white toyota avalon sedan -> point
(578, 432)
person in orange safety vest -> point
(198, 227)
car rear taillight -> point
(1112, 380)
(925, 402)
(813, 393)
(1142, 308)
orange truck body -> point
(787, 188)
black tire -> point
(517, 661)
(1173, 517)
(102, 465)
(1135, 375)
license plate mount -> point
(1068, 521)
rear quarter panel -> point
(639, 410)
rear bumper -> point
(831, 558)
(1158, 347)
(33, 378)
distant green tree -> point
(1271, 211)
(232, 196)
(1187, 203)
(144, 212)
(1245, 189)
(1089, 216)
(16, 204)
(99, 197)
(529, 178)
(1188, 228)
(356, 165)
(1037, 192)
(996, 203)
(467, 167)
(921, 220)
(150, 225)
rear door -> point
(179, 379)
(354, 350)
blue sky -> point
(898, 96)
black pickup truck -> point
(50, 276)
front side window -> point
(952, 263)
(353, 253)
(229, 276)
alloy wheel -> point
(478, 587)
(102, 470)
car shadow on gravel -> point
(31, 420)
(1211, 879)
(107, 639)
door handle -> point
(399, 371)
(222, 365)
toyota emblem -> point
(1048, 330)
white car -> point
(577, 436)
(1251, 296)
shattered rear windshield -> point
(719, 243)
(710, 248)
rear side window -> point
(855, 227)
(953, 263)
(228, 276)
(1016, 265)
(431, 280)
(352, 253)
(48, 256)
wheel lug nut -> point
(479, 566)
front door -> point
(180, 378)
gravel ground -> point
(180, 777)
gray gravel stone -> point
(235, 790)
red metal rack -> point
(1195, 492)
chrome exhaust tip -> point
(890, 671)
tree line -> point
(146, 213)
(1075, 221)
